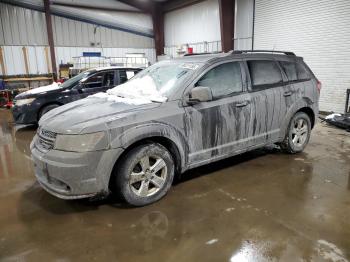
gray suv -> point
(171, 117)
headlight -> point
(22, 102)
(82, 143)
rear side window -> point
(264, 73)
(109, 79)
(125, 75)
(223, 80)
(295, 71)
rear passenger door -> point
(265, 85)
(219, 127)
(109, 80)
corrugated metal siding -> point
(14, 59)
(23, 27)
(193, 24)
(243, 24)
(319, 31)
(20, 26)
(68, 32)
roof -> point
(204, 58)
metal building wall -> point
(319, 31)
(193, 25)
(68, 32)
(20, 27)
(243, 24)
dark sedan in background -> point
(31, 105)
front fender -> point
(154, 129)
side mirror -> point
(199, 94)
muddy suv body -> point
(220, 105)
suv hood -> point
(88, 115)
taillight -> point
(319, 86)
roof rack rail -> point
(235, 52)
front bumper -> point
(72, 175)
(25, 114)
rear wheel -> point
(298, 134)
(145, 174)
(46, 109)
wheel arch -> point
(310, 113)
(303, 105)
(164, 141)
(165, 135)
(45, 105)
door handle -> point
(288, 93)
(244, 103)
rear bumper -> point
(72, 175)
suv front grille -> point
(46, 140)
(48, 134)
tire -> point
(140, 181)
(298, 134)
(46, 109)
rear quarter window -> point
(295, 71)
(264, 73)
(302, 72)
(290, 69)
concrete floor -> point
(260, 206)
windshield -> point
(74, 80)
(156, 82)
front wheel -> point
(298, 133)
(145, 174)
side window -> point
(125, 75)
(223, 80)
(302, 72)
(94, 81)
(264, 72)
(290, 69)
(108, 80)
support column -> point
(227, 20)
(156, 11)
(50, 38)
(158, 29)
(2, 64)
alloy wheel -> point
(299, 132)
(148, 176)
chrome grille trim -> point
(46, 140)
(47, 134)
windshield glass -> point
(74, 80)
(156, 82)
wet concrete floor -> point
(260, 206)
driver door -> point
(219, 127)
